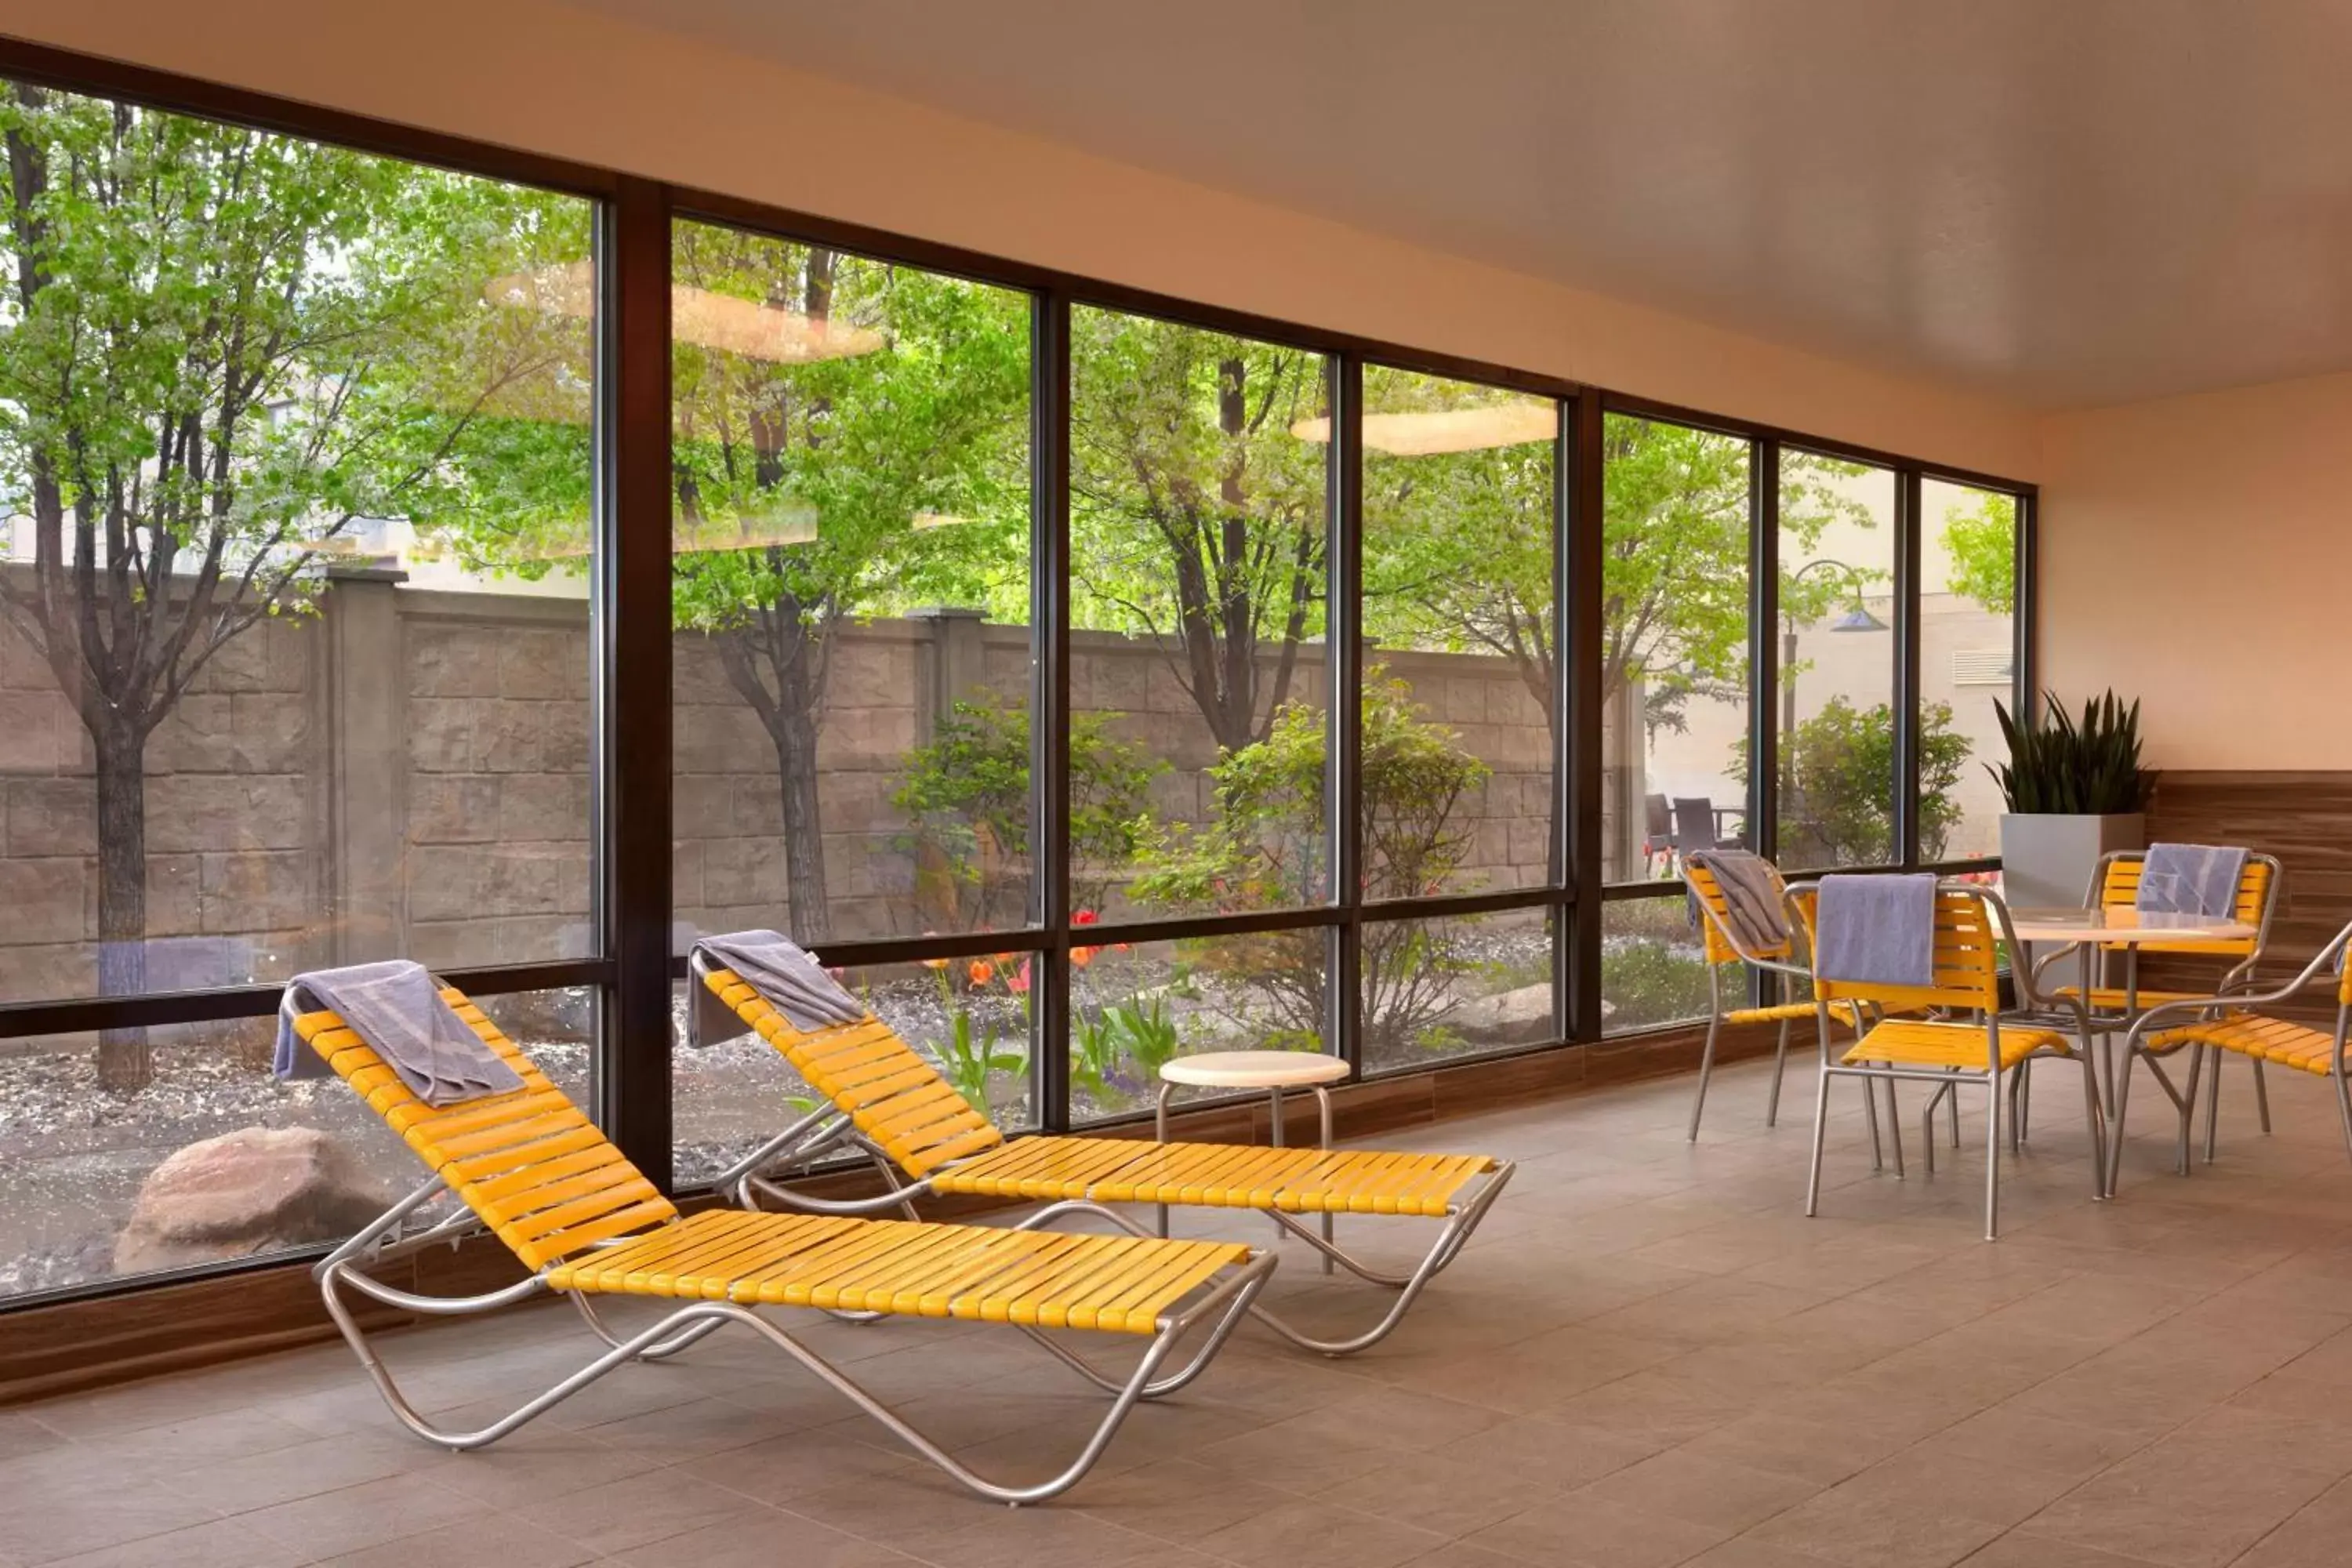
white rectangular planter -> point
(2046, 859)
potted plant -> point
(2075, 791)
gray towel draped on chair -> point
(395, 1008)
(1876, 931)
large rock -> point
(245, 1191)
(1515, 1018)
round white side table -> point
(1272, 1071)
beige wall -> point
(2197, 553)
(536, 76)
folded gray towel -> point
(1876, 931)
(2190, 879)
(782, 973)
(1752, 895)
(397, 1009)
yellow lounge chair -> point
(535, 1172)
(887, 1101)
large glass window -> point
(853, 657)
(1673, 636)
(1837, 763)
(295, 641)
(1967, 662)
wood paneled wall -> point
(2304, 820)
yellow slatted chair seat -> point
(2290, 1045)
(2121, 890)
(1218, 1176)
(899, 1100)
(555, 1190)
(1045, 1280)
(893, 1095)
(535, 1169)
(1779, 1012)
(1931, 1045)
(2114, 998)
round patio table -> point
(2090, 932)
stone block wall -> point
(405, 772)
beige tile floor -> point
(1647, 1358)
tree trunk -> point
(124, 1061)
(796, 738)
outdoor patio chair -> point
(2198, 1025)
(1944, 1053)
(535, 1172)
(1657, 833)
(1721, 947)
(886, 1100)
(2115, 884)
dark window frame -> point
(633, 971)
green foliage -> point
(1838, 806)
(1651, 982)
(966, 795)
(969, 1060)
(1196, 513)
(1457, 545)
(2065, 766)
(1981, 544)
(1266, 851)
(1146, 1033)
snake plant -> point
(2063, 766)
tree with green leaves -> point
(1980, 542)
(1197, 506)
(813, 492)
(225, 350)
(1841, 811)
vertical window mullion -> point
(1581, 523)
(2025, 691)
(1908, 716)
(1344, 966)
(1764, 672)
(1049, 733)
(633, 691)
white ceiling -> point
(2061, 202)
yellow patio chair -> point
(1971, 925)
(886, 1099)
(2115, 884)
(2198, 1025)
(1722, 946)
(536, 1172)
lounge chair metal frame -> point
(1216, 1303)
(756, 1181)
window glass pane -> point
(1198, 678)
(969, 1018)
(1457, 665)
(1968, 661)
(1133, 1008)
(1674, 627)
(1654, 968)
(851, 575)
(319, 422)
(1456, 987)
(198, 1166)
(1837, 663)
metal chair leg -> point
(1780, 1066)
(1705, 1068)
(1870, 1114)
(1993, 1162)
(2213, 1109)
(2344, 1103)
(1894, 1128)
(2261, 1097)
(2093, 1118)
(1821, 1136)
(2181, 1162)
(1952, 1105)
(1928, 1125)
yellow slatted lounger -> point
(890, 1102)
(534, 1171)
